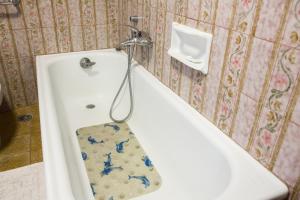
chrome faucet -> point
(140, 38)
(86, 63)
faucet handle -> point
(135, 19)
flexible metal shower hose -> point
(128, 77)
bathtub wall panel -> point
(48, 27)
(251, 91)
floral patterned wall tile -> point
(46, 14)
(245, 15)
(230, 81)
(168, 30)
(21, 40)
(244, 120)
(15, 82)
(31, 14)
(75, 12)
(214, 72)
(64, 39)
(270, 19)
(180, 7)
(101, 14)
(27, 72)
(276, 104)
(140, 13)
(197, 90)
(291, 35)
(257, 67)
(186, 81)
(160, 38)
(16, 19)
(193, 10)
(6, 101)
(77, 38)
(88, 13)
(225, 13)
(296, 114)
(102, 36)
(152, 23)
(171, 5)
(146, 16)
(89, 35)
(208, 10)
(175, 75)
(151, 59)
(36, 41)
(7, 43)
(289, 156)
(50, 40)
(166, 68)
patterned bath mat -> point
(117, 166)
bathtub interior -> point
(184, 157)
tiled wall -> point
(252, 89)
(47, 27)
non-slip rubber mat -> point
(116, 164)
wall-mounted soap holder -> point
(190, 46)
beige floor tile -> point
(36, 156)
(35, 142)
(17, 144)
(14, 161)
(20, 142)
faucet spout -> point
(127, 43)
(142, 39)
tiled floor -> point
(20, 142)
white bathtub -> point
(195, 159)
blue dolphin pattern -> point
(84, 155)
(108, 166)
(147, 161)
(120, 146)
(115, 127)
(144, 180)
(94, 141)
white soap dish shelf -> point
(190, 46)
